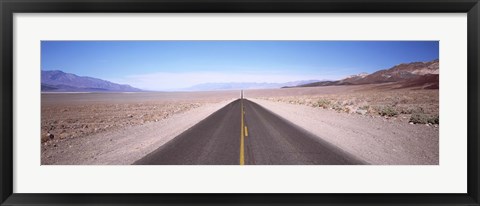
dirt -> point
(118, 128)
(332, 114)
(373, 100)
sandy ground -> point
(118, 128)
(125, 145)
(72, 115)
(378, 100)
(376, 140)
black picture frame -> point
(9, 7)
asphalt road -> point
(259, 137)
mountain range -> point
(415, 74)
(59, 81)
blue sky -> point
(168, 65)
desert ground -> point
(419, 106)
(103, 128)
(377, 124)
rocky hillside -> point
(415, 74)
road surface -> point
(258, 137)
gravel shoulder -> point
(127, 144)
(374, 139)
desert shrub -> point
(417, 110)
(412, 110)
(337, 107)
(364, 107)
(323, 103)
(348, 102)
(388, 111)
(404, 110)
(347, 109)
(434, 119)
(421, 118)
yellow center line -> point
(242, 158)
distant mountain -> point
(415, 74)
(245, 85)
(59, 81)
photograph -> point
(239, 102)
(204, 102)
